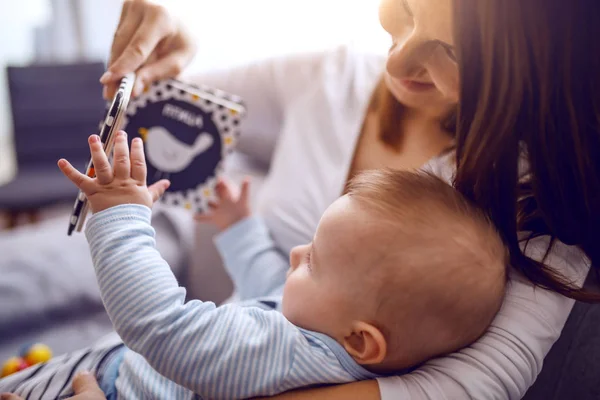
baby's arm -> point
(251, 258)
(226, 352)
(212, 351)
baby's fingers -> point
(138, 161)
(245, 191)
(83, 182)
(199, 217)
(158, 189)
(209, 214)
(121, 162)
(102, 168)
(225, 191)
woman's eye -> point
(450, 52)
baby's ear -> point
(366, 344)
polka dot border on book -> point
(226, 111)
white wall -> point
(17, 18)
(236, 31)
(228, 32)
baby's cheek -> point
(292, 303)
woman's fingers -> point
(122, 165)
(171, 56)
(83, 182)
(155, 25)
(10, 396)
(141, 27)
(168, 66)
(138, 161)
(85, 386)
(148, 41)
(128, 22)
(102, 168)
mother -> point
(529, 91)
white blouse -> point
(304, 118)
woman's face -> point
(421, 66)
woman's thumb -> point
(84, 382)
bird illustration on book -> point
(167, 153)
(188, 131)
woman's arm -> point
(507, 359)
(267, 87)
(363, 390)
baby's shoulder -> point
(269, 303)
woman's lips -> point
(415, 86)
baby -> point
(401, 269)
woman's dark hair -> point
(530, 87)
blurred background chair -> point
(54, 108)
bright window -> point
(235, 31)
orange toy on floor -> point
(30, 355)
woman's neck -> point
(422, 131)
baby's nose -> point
(295, 257)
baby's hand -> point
(122, 183)
(231, 207)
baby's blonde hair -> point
(443, 274)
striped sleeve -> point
(219, 353)
(251, 258)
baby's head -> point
(401, 269)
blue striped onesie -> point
(189, 350)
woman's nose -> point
(404, 59)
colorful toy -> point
(24, 349)
(29, 355)
(22, 365)
(38, 353)
(11, 366)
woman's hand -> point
(151, 42)
(85, 387)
